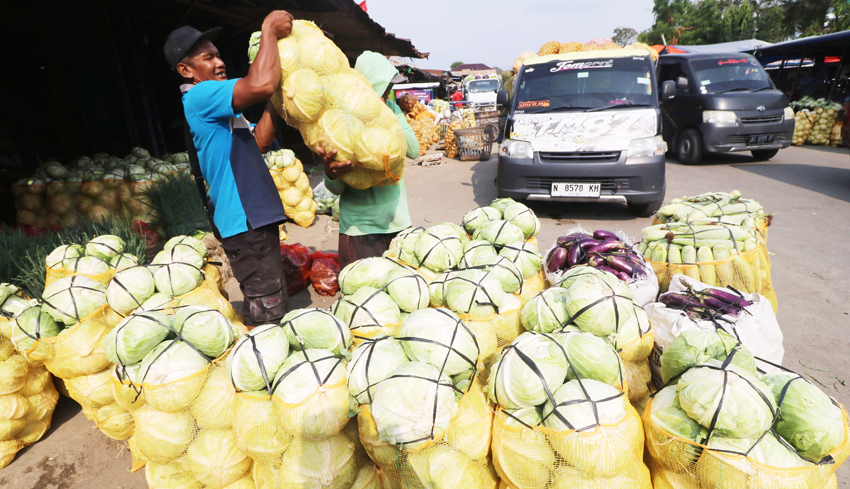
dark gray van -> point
(723, 103)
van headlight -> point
(719, 117)
(516, 149)
(789, 113)
(646, 147)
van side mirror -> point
(668, 90)
(502, 98)
(681, 83)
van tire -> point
(689, 147)
(764, 154)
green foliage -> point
(180, 207)
(456, 64)
(624, 35)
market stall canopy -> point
(811, 47)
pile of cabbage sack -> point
(720, 424)
(99, 256)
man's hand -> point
(333, 168)
(280, 23)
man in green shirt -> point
(369, 219)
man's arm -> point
(264, 74)
(266, 128)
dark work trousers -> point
(353, 248)
(255, 258)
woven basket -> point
(476, 143)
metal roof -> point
(834, 44)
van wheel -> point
(764, 154)
(689, 147)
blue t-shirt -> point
(241, 188)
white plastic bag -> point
(758, 331)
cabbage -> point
(11, 300)
(809, 419)
(457, 230)
(341, 132)
(408, 289)
(204, 328)
(509, 276)
(668, 415)
(474, 249)
(325, 464)
(477, 217)
(171, 361)
(413, 405)
(186, 241)
(179, 254)
(437, 288)
(595, 306)
(367, 310)
(747, 406)
(89, 265)
(320, 55)
(303, 97)
(129, 289)
(155, 302)
(32, 324)
(378, 146)
(215, 460)
(591, 357)
(474, 292)
(632, 330)
(499, 233)
(105, 246)
(502, 204)
(177, 279)
(531, 458)
(514, 384)
(135, 336)
(441, 467)
(160, 436)
(71, 299)
(695, 347)
(546, 311)
(372, 362)
(256, 426)
(368, 272)
(348, 92)
(62, 253)
(316, 328)
(122, 261)
(438, 337)
(304, 372)
(582, 405)
(523, 218)
(526, 256)
(439, 248)
(736, 471)
(404, 244)
(272, 347)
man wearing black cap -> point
(243, 199)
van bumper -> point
(725, 138)
(638, 181)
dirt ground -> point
(807, 188)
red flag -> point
(363, 6)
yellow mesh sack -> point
(94, 394)
(295, 193)
(209, 294)
(56, 273)
(748, 272)
(569, 47)
(457, 458)
(494, 332)
(680, 463)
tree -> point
(456, 64)
(624, 35)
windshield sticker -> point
(643, 81)
(529, 70)
(706, 82)
(533, 103)
(584, 132)
(582, 74)
(567, 65)
(732, 61)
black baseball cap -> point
(182, 40)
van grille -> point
(742, 139)
(581, 157)
(608, 185)
(761, 120)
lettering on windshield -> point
(732, 61)
(567, 65)
(533, 103)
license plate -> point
(575, 189)
(760, 139)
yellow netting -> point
(54, 274)
(211, 294)
(295, 193)
(679, 463)
(607, 456)
(27, 401)
(94, 394)
(459, 458)
(747, 272)
(494, 332)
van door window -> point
(675, 73)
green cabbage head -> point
(506, 271)
(408, 289)
(135, 336)
(106, 246)
(90, 265)
(668, 415)
(525, 255)
(62, 253)
(205, 328)
(272, 348)
(499, 233)
(372, 362)
(304, 372)
(523, 218)
(186, 241)
(502, 204)
(473, 249)
(316, 329)
(376, 309)
(479, 216)
(170, 361)
(574, 410)
(129, 289)
(71, 299)
(695, 347)
(474, 292)
(439, 248)
(592, 357)
(31, 324)
(177, 279)
(368, 272)
(599, 308)
(438, 337)
(546, 311)
(514, 384)
(122, 261)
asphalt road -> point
(808, 190)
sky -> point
(496, 32)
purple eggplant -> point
(573, 255)
(607, 269)
(678, 301)
(606, 246)
(565, 240)
(727, 297)
(625, 277)
(596, 261)
(620, 263)
(556, 260)
(721, 306)
(588, 243)
(603, 235)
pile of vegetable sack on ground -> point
(722, 207)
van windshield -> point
(479, 86)
(585, 85)
(729, 73)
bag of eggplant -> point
(614, 253)
(691, 305)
